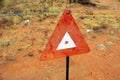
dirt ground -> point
(98, 64)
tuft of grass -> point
(16, 19)
(5, 3)
(29, 46)
(40, 42)
(88, 11)
(8, 21)
(101, 22)
(115, 38)
(56, 9)
(99, 6)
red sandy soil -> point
(95, 65)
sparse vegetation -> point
(26, 27)
(5, 3)
(27, 7)
(16, 12)
(101, 22)
(99, 6)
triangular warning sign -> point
(66, 40)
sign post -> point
(67, 67)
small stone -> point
(110, 43)
(88, 30)
(30, 55)
(27, 21)
(102, 47)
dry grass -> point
(101, 22)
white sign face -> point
(66, 42)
